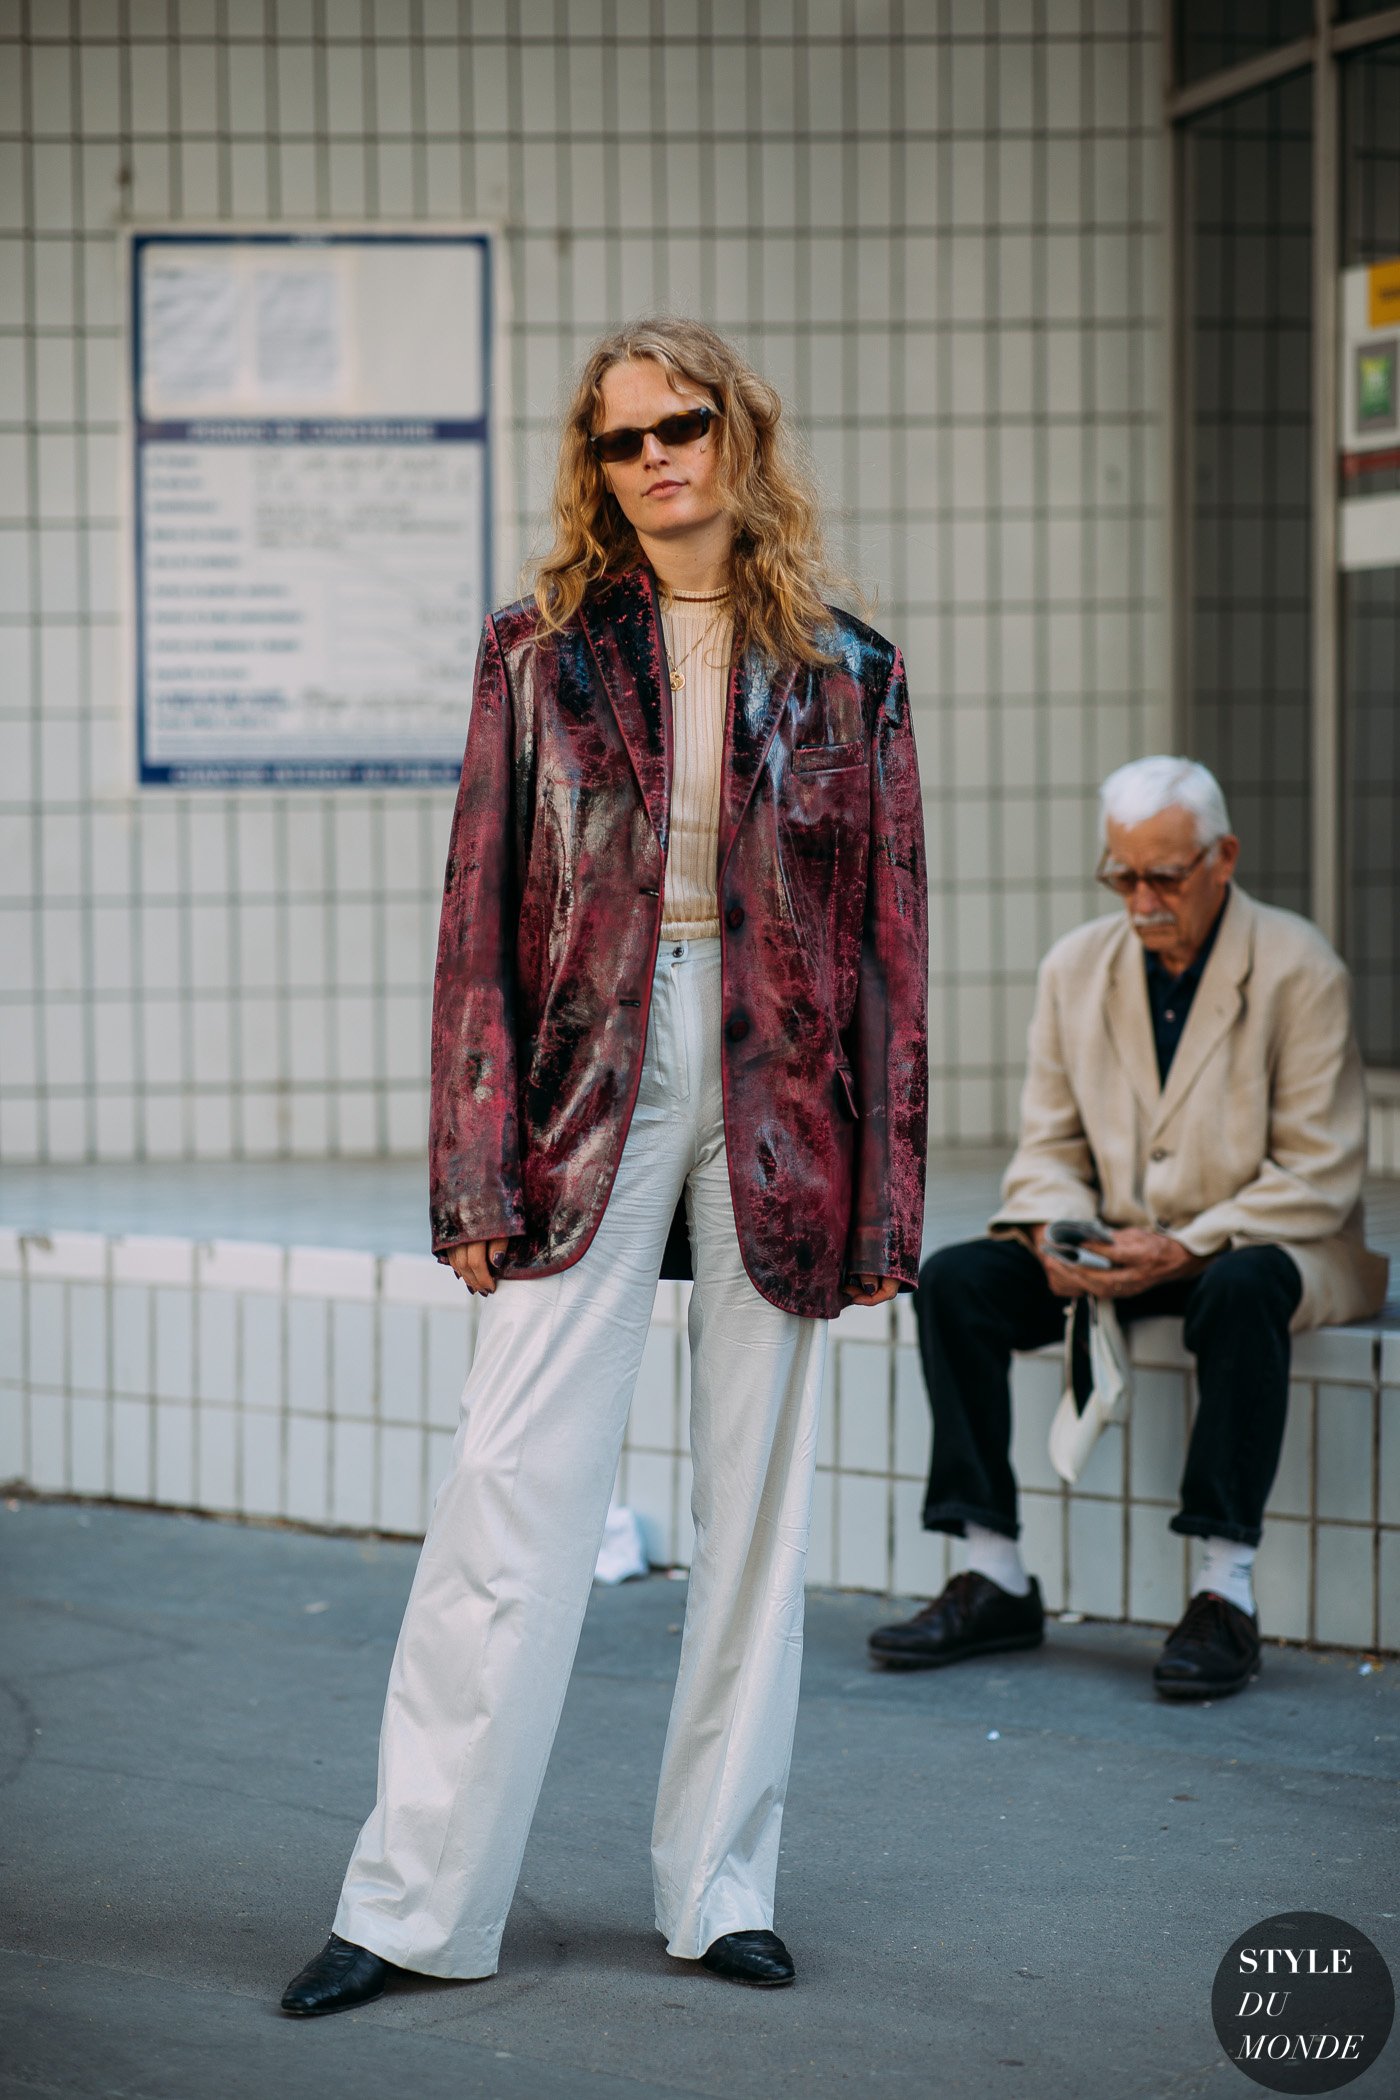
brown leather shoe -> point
(974, 1616)
(1211, 1652)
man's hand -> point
(1141, 1260)
(1066, 1279)
(470, 1262)
(870, 1290)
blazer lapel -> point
(757, 697)
(1129, 1020)
(623, 628)
(1216, 1006)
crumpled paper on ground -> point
(623, 1552)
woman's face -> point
(668, 492)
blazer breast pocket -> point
(827, 758)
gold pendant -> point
(677, 681)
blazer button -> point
(1159, 1155)
(734, 916)
(737, 1028)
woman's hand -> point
(470, 1263)
(870, 1290)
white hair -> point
(1146, 786)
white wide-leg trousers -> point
(493, 1619)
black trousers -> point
(980, 1301)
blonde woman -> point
(678, 1029)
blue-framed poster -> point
(312, 502)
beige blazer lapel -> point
(1129, 1019)
(1215, 1008)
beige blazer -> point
(1260, 1132)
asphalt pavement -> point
(1012, 1878)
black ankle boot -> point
(750, 1957)
(341, 1977)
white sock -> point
(998, 1558)
(1227, 1567)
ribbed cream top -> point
(690, 908)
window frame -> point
(1316, 54)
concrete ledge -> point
(1329, 1565)
(322, 1385)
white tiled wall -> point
(934, 225)
(1385, 1134)
(323, 1386)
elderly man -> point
(1193, 1083)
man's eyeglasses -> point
(685, 428)
(1165, 881)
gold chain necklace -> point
(678, 664)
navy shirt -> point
(1169, 998)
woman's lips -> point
(664, 488)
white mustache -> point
(1158, 918)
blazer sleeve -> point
(889, 1036)
(1052, 1173)
(473, 1129)
(1310, 1180)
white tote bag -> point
(1075, 1430)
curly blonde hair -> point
(779, 575)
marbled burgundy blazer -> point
(551, 922)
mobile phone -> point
(1068, 1238)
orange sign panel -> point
(1383, 285)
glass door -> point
(1248, 432)
(1369, 596)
